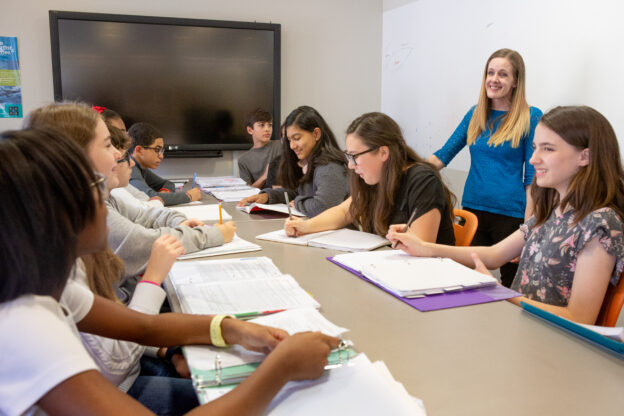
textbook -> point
(342, 240)
(232, 193)
(407, 276)
(237, 245)
(282, 208)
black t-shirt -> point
(422, 190)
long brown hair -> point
(78, 121)
(377, 201)
(597, 185)
(325, 151)
(517, 122)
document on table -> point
(344, 239)
(237, 245)
(206, 271)
(359, 388)
(409, 276)
(244, 296)
(223, 181)
(203, 212)
(283, 208)
(292, 321)
(234, 194)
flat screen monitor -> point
(193, 79)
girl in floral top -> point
(573, 246)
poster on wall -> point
(10, 85)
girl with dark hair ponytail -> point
(389, 182)
(312, 168)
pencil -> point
(409, 222)
(220, 214)
(288, 205)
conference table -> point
(487, 359)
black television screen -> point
(193, 79)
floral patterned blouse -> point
(548, 259)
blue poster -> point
(10, 84)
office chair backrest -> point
(465, 233)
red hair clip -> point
(98, 109)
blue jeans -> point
(160, 389)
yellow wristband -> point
(215, 330)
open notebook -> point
(237, 245)
(209, 213)
(283, 208)
(343, 240)
(408, 276)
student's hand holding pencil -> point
(296, 227)
(228, 230)
(408, 241)
(194, 194)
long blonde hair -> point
(78, 122)
(517, 122)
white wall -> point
(331, 54)
(434, 53)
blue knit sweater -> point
(496, 179)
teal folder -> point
(576, 329)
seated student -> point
(111, 117)
(573, 245)
(253, 165)
(312, 168)
(134, 228)
(57, 213)
(148, 149)
(389, 182)
(129, 194)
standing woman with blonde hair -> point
(499, 134)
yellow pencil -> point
(220, 214)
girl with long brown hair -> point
(499, 134)
(573, 246)
(389, 182)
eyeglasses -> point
(100, 183)
(126, 158)
(352, 157)
(157, 149)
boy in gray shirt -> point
(253, 164)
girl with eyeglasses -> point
(312, 168)
(389, 183)
(57, 214)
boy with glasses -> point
(148, 151)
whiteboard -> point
(434, 53)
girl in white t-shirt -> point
(55, 205)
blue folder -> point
(576, 329)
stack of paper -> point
(343, 240)
(232, 193)
(201, 289)
(358, 388)
(283, 208)
(223, 181)
(202, 212)
(408, 276)
(237, 245)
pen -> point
(409, 222)
(248, 315)
(194, 180)
(220, 214)
(288, 205)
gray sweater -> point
(252, 163)
(134, 229)
(329, 187)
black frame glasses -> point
(159, 150)
(126, 158)
(352, 157)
